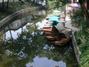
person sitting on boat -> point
(59, 23)
(56, 22)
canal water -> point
(29, 48)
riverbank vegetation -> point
(82, 36)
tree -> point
(85, 7)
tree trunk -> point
(2, 4)
(7, 3)
(84, 6)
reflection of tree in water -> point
(29, 45)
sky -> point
(14, 33)
(45, 62)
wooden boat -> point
(53, 35)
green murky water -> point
(35, 51)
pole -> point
(10, 34)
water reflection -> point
(15, 33)
(33, 50)
(45, 62)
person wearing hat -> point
(58, 22)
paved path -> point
(68, 24)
